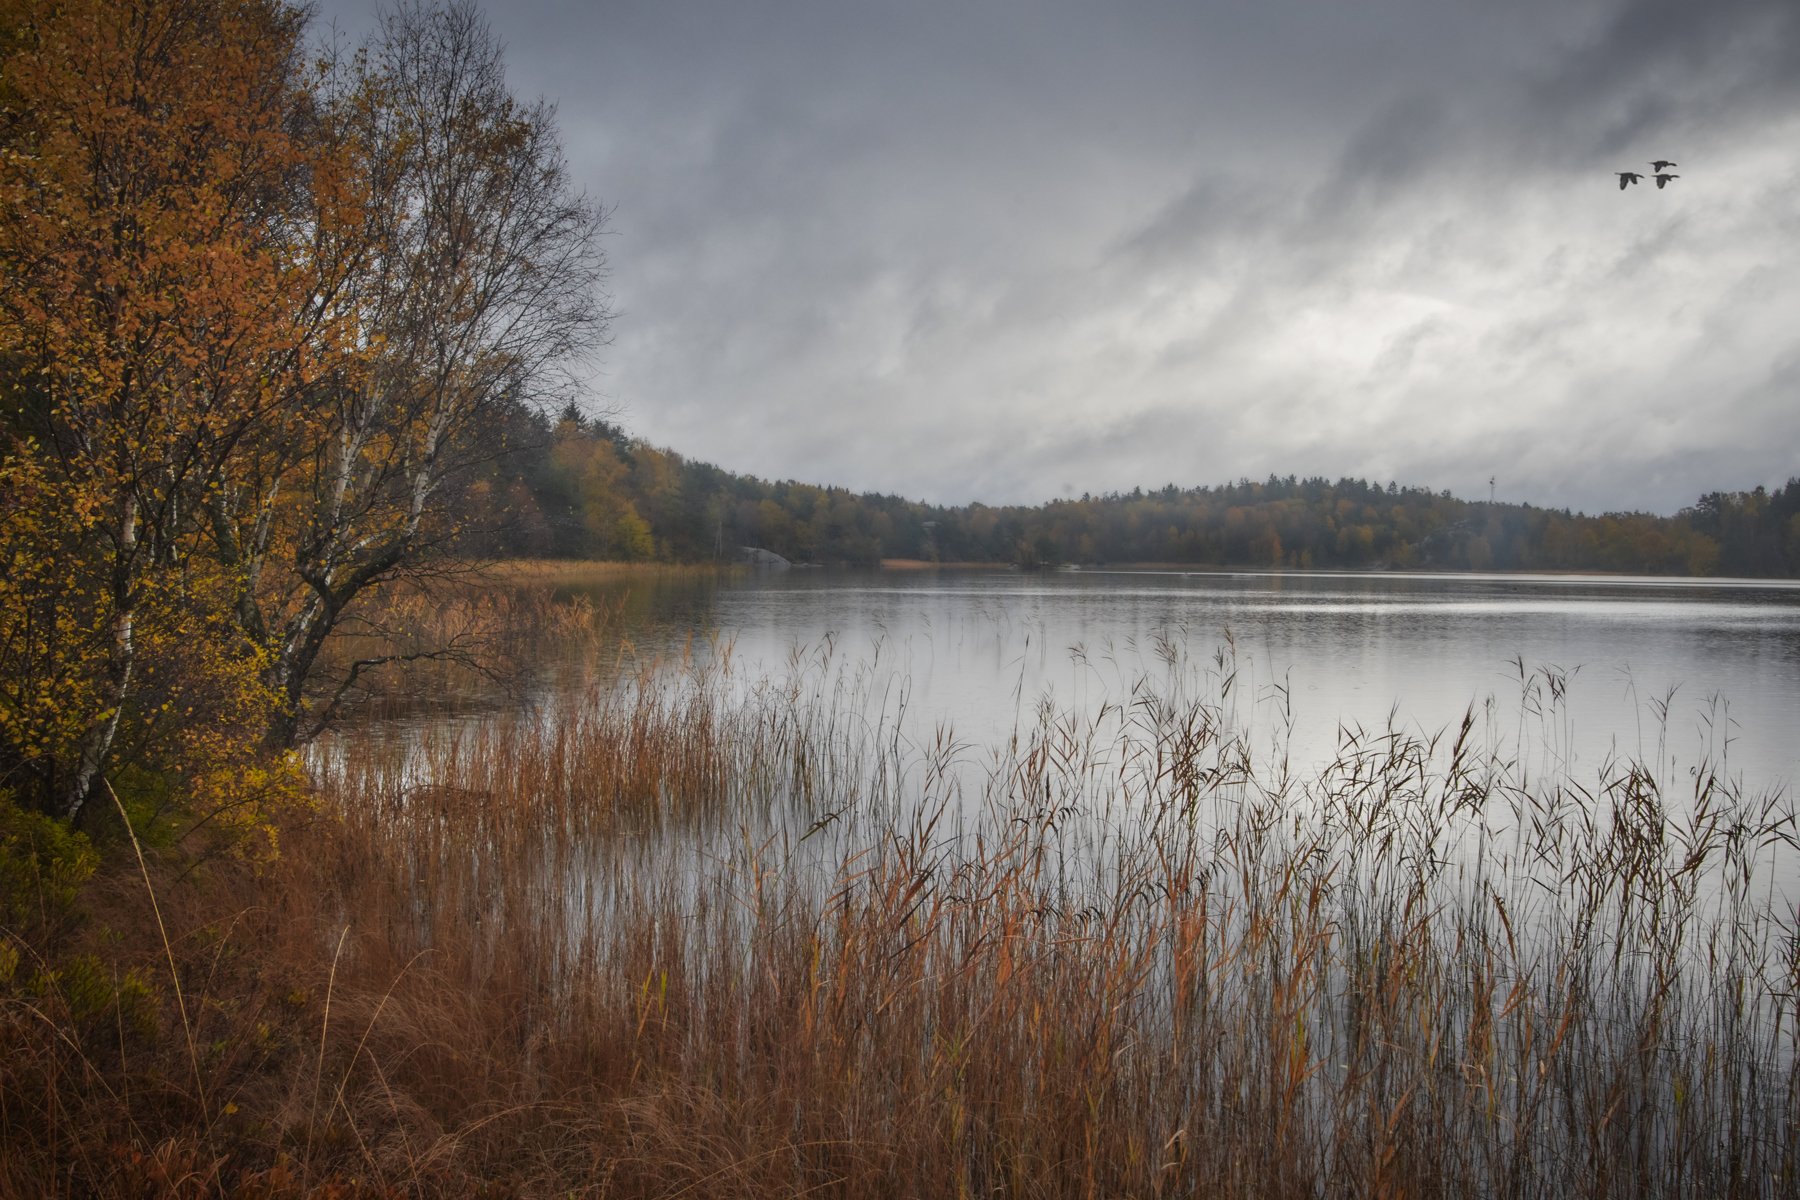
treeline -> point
(574, 486)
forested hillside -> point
(581, 487)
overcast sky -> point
(1012, 251)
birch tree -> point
(473, 277)
(155, 313)
(257, 310)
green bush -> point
(43, 865)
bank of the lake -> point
(751, 913)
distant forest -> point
(579, 487)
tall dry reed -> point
(684, 933)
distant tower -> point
(1490, 489)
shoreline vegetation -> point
(511, 572)
(1165, 568)
(687, 936)
(578, 486)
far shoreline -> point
(1157, 568)
(597, 570)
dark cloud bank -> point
(1003, 251)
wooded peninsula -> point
(569, 486)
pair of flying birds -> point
(1660, 166)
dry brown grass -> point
(570, 572)
(689, 936)
(473, 637)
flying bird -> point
(1663, 164)
(1662, 181)
(1626, 177)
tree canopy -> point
(259, 305)
(583, 488)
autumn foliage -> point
(578, 487)
(155, 315)
(257, 308)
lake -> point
(876, 825)
(978, 651)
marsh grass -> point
(478, 639)
(571, 572)
(686, 934)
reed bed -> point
(682, 933)
(480, 639)
(575, 572)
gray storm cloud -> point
(995, 251)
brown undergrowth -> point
(685, 934)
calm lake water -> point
(1668, 671)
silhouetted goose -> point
(1626, 177)
(1663, 164)
(1663, 180)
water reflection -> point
(1317, 653)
